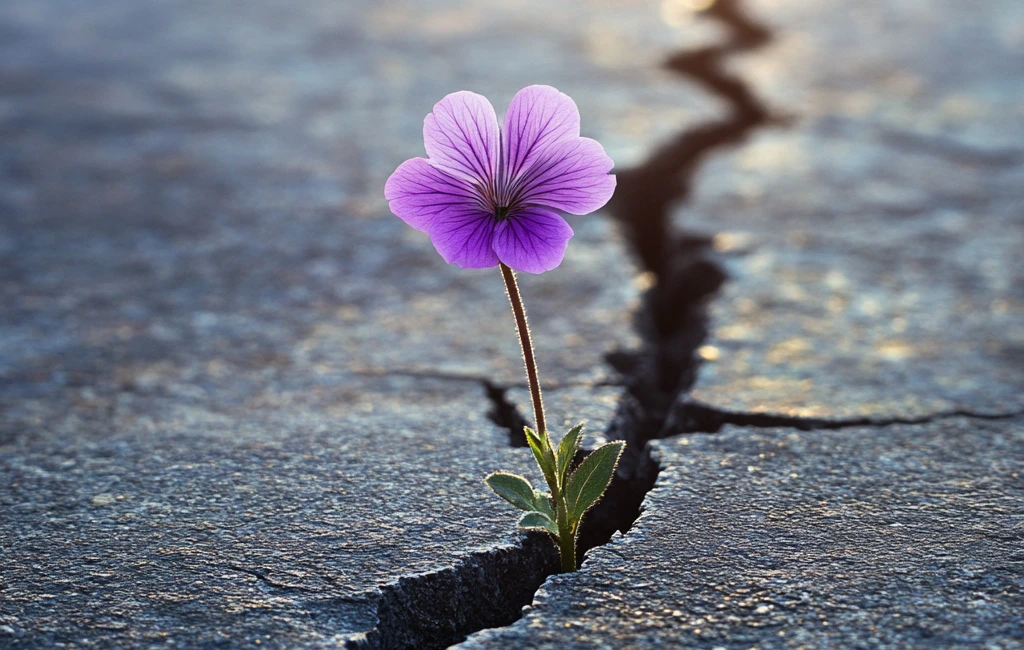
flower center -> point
(501, 212)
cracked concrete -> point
(280, 527)
(910, 539)
(689, 416)
(872, 245)
(239, 401)
(782, 349)
(221, 356)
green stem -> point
(566, 538)
(567, 549)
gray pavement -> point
(241, 403)
(276, 529)
(904, 537)
(240, 400)
(873, 242)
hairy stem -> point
(567, 548)
(512, 288)
(566, 537)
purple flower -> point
(487, 195)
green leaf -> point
(588, 482)
(536, 445)
(514, 489)
(533, 438)
(542, 504)
(537, 520)
(567, 449)
(542, 453)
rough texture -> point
(239, 401)
(148, 169)
(906, 536)
(873, 238)
(238, 398)
(568, 406)
(279, 528)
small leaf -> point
(514, 489)
(533, 438)
(537, 520)
(536, 445)
(567, 449)
(542, 453)
(588, 482)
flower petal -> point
(538, 118)
(419, 192)
(572, 177)
(463, 235)
(532, 240)
(462, 136)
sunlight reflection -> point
(677, 13)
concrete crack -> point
(505, 414)
(672, 321)
(490, 589)
(438, 609)
(690, 416)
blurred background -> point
(192, 224)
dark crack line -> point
(490, 589)
(502, 412)
(672, 322)
(441, 608)
(506, 414)
(318, 594)
(645, 194)
(695, 417)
